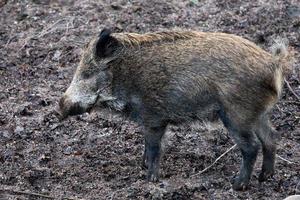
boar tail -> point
(283, 62)
(282, 56)
(280, 48)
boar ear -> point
(106, 44)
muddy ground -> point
(98, 155)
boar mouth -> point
(70, 109)
(100, 98)
(77, 109)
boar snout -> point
(67, 107)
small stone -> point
(68, 150)
(136, 8)
(54, 126)
(6, 134)
(19, 129)
(115, 6)
(2, 95)
(57, 55)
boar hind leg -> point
(268, 138)
(152, 153)
(144, 159)
(247, 143)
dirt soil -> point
(98, 155)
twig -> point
(32, 194)
(28, 193)
(71, 21)
(9, 40)
(291, 89)
(207, 168)
(281, 158)
(279, 109)
(291, 102)
(51, 28)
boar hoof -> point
(144, 165)
(240, 185)
(152, 177)
(264, 175)
(144, 161)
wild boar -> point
(178, 76)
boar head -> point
(92, 80)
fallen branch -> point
(27, 193)
(207, 168)
(291, 89)
(291, 102)
(281, 158)
(50, 29)
(228, 150)
(279, 109)
(17, 192)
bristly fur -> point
(180, 76)
(280, 48)
(285, 56)
(135, 39)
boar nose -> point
(67, 107)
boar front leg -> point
(152, 153)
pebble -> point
(19, 129)
(6, 134)
(68, 150)
(57, 55)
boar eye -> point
(103, 77)
(86, 74)
(86, 46)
